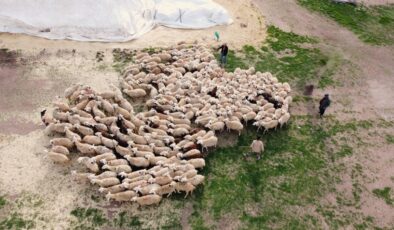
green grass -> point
(384, 194)
(390, 139)
(295, 171)
(89, 218)
(122, 57)
(2, 202)
(284, 55)
(123, 220)
(373, 24)
(15, 221)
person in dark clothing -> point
(324, 103)
(223, 54)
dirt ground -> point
(41, 69)
(376, 2)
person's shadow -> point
(311, 107)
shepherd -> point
(223, 54)
(324, 103)
(257, 147)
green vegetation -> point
(2, 202)
(285, 56)
(124, 221)
(373, 24)
(295, 170)
(88, 218)
(95, 218)
(121, 57)
(15, 221)
(390, 139)
(384, 194)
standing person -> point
(223, 54)
(257, 147)
(324, 103)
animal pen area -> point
(136, 124)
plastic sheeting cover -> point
(106, 20)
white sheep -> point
(135, 93)
(179, 132)
(209, 142)
(60, 149)
(166, 189)
(113, 189)
(191, 154)
(185, 187)
(234, 125)
(81, 177)
(115, 162)
(91, 139)
(62, 142)
(147, 189)
(100, 149)
(110, 143)
(196, 180)
(122, 196)
(215, 126)
(131, 186)
(123, 150)
(71, 135)
(145, 177)
(103, 175)
(91, 165)
(141, 162)
(197, 163)
(119, 110)
(58, 157)
(284, 119)
(106, 182)
(85, 148)
(161, 180)
(118, 168)
(137, 138)
(134, 174)
(107, 156)
(147, 200)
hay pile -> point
(188, 100)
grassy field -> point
(373, 24)
(290, 57)
(281, 191)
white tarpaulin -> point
(106, 20)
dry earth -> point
(41, 69)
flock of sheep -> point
(188, 98)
